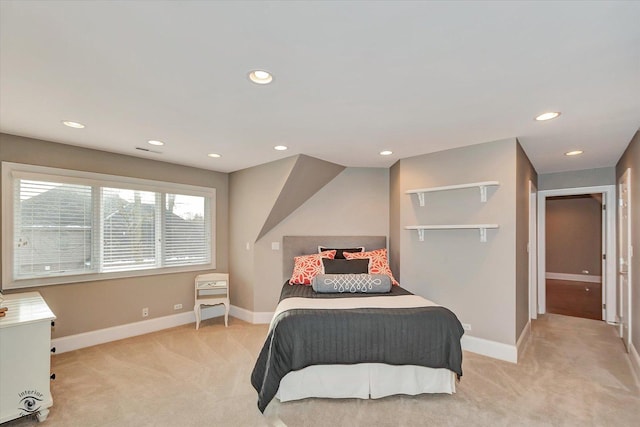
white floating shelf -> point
(481, 185)
(482, 227)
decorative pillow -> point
(306, 267)
(340, 251)
(345, 266)
(378, 264)
(353, 283)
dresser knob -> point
(53, 350)
(53, 376)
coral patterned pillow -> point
(306, 267)
(378, 263)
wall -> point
(579, 178)
(574, 234)
(356, 202)
(82, 307)
(525, 173)
(631, 159)
(477, 281)
(253, 193)
(333, 208)
(395, 228)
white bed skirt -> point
(364, 381)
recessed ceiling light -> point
(280, 147)
(386, 153)
(573, 153)
(155, 142)
(260, 77)
(75, 125)
(547, 116)
(214, 155)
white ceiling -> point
(351, 78)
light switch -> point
(275, 246)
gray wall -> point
(631, 159)
(355, 202)
(253, 191)
(395, 227)
(525, 173)
(574, 234)
(579, 178)
(475, 280)
(88, 306)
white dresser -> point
(25, 357)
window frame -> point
(12, 171)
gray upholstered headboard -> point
(293, 246)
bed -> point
(354, 344)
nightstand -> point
(211, 289)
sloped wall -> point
(261, 197)
(307, 176)
(355, 203)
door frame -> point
(610, 271)
(626, 178)
(532, 249)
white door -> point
(625, 252)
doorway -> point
(574, 255)
(607, 292)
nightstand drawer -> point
(214, 284)
(212, 291)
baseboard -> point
(574, 277)
(101, 336)
(635, 360)
(523, 340)
(255, 317)
(488, 348)
(493, 349)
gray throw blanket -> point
(424, 336)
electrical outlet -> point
(177, 307)
(145, 312)
(466, 326)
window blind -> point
(53, 229)
(96, 226)
(186, 233)
(129, 229)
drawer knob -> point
(53, 350)
(53, 376)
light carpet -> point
(573, 372)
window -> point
(62, 226)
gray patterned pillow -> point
(353, 283)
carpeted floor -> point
(573, 372)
